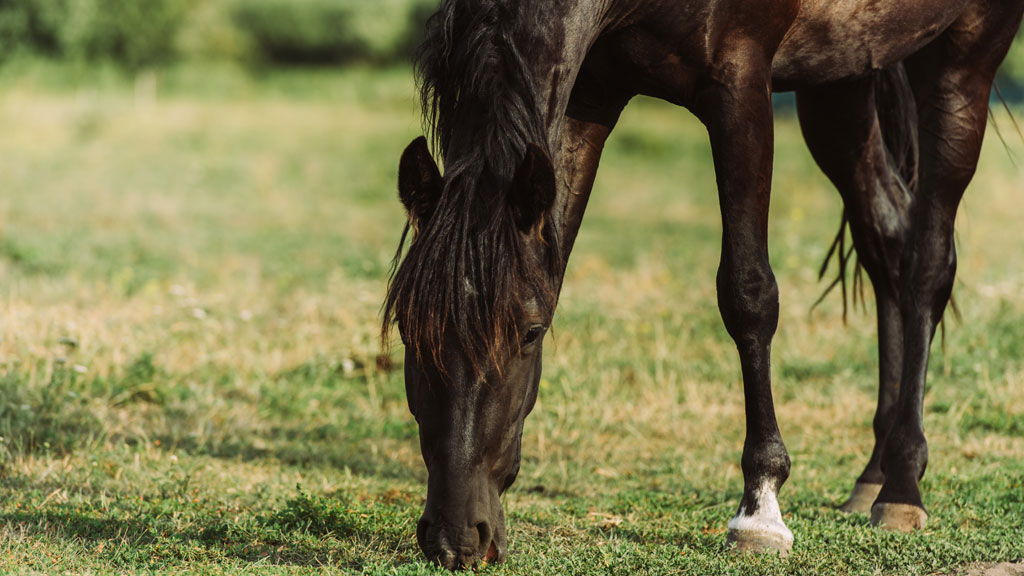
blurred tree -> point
(210, 33)
(14, 28)
(146, 33)
(416, 24)
(301, 32)
(135, 33)
(44, 24)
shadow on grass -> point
(301, 447)
(340, 529)
(303, 533)
(144, 537)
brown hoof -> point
(898, 517)
(861, 499)
(759, 542)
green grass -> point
(191, 270)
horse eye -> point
(532, 336)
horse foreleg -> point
(579, 152)
(738, 114)
(592, 112)
(843, 131)
(952, 79)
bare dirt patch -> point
(1003, 569)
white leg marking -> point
(767, 520)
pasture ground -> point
(191, 268)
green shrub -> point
(142, 33)
(13, 28)
(416, 24)
(316, 515)
(135, 33)
(44, 19)
(28, 25)
(301, 32)
(210, 33)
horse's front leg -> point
(738, 113)
(593, 110)
(579, 152)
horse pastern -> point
(861, 498)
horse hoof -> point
(764, 541)
(861, 499)
(760, 529)
(898, 517)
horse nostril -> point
(483, 530)
(421, 533)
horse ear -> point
(533, 190)
(419, 180)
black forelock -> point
(481, 111)
(479, 103)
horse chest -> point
(645, 63)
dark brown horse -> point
(520, 96)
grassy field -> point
(191, 269)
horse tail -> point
(897, 119)
(995, 124)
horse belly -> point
(836, 39)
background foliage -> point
(140, 33)
(255, 33)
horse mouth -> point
(492, 553)
(453, 560)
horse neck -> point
(562, 32)
(555, 42)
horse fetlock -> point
(861, 498)
(765, 463)
(905, 454)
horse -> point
(519, 97)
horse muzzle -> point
(463, 532)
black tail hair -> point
(897, 118)
(1013, 120)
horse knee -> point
(748, 299)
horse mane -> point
(466, 268)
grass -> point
(191, 270)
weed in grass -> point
(52, 416)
